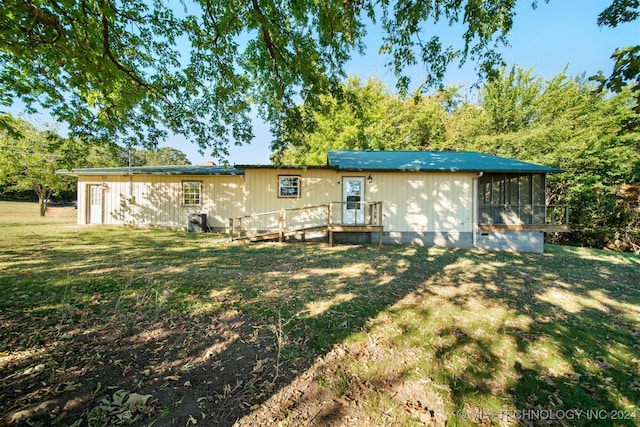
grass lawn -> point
(118, 326)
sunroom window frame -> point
(497, 190)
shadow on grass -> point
(214, 332)
(210, 331)
(537, 338)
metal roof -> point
(353, 160)
(301, 167)
(430, 161)
(157, 170)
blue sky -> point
(554, 36)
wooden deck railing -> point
(329, 217)
(362, 213)
(268, 223)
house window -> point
(288, 186)
(191, 191)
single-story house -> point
(444, 198)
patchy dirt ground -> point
(98, 366)
(141, 369)
(136, 369)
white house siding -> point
(81, 201)
(422, 208)
(156, 200)
(425, 208)
(317, 187)
(424, 202)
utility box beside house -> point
(197, 223)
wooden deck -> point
(284, 223)
(278, 225)
(351, 228)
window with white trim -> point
(191, 191)
(288, 186)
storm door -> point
(353, 200)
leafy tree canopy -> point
(29, 161)
(132, 71)
(163, 156)
(365, 116)
(135, 70)
(113, 155)
(626, 67)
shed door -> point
(95, 204)
(353, 200)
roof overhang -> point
(295, 167)
(154, 170)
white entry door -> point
(353, 200)
(95, 204)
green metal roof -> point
(300, 167)
(430, 161)
(157, 170)
(362, 160)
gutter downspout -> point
(476, 207)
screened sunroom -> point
(517, 200)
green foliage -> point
(30, 159)
(161, 157)
(626, 60)
(620, 11)
(509, 100)
(364, 116)
(133, 71)
(104, 155)
(112, 155)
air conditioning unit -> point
(197, 223)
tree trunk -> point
(43, 197)
(43, 205)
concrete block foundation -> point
(517, 241)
